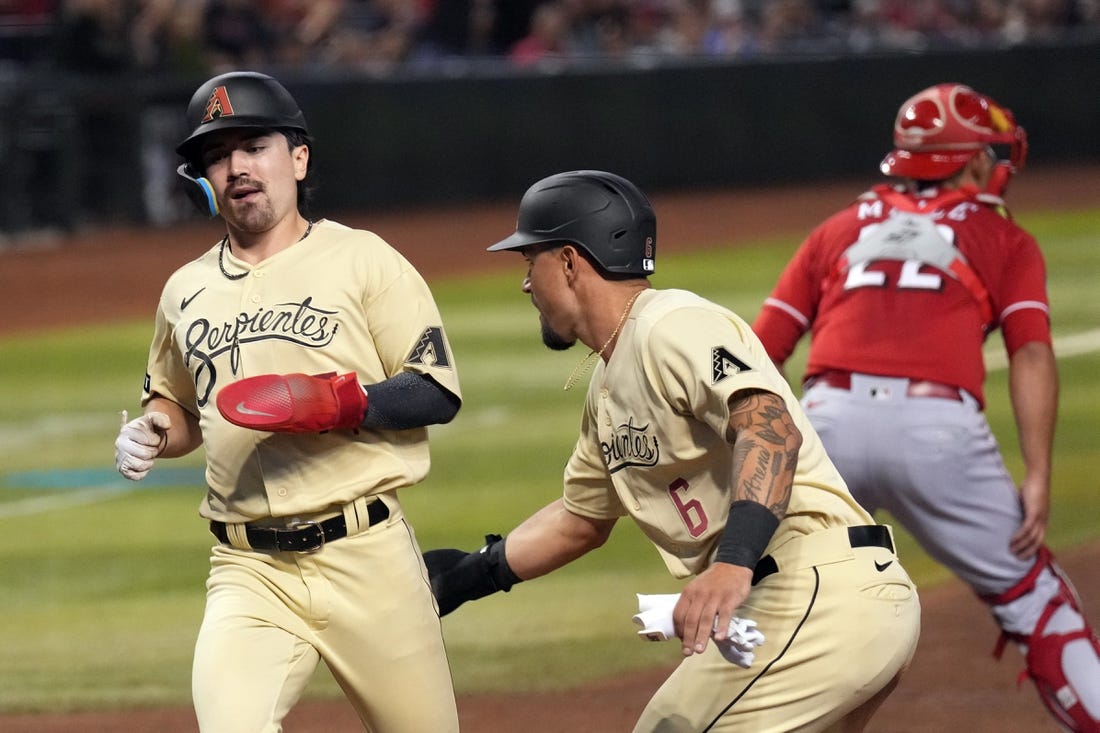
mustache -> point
(241, 183)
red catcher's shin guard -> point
(1063, 665)
(1058, 685)
(294, 403)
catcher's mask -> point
(233, 100)
(938, 130)
(604, 214)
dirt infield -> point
(954, 685)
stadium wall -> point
(105, 145)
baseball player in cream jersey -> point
(307, 358)
(690, 430)
(901, 289)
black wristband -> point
(457, 576)
(497, 564)
(747, 533)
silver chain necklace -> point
(238, 276)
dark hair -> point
(294, 139)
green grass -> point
(102, 600)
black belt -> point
(867, 535)
(303, 536)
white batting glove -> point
(139, 442)
(743, 638)
(655, 617)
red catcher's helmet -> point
(941, 128)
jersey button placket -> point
(255, 298)
(276, 498)
(603, 421)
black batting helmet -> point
(239, 99)
(604, 214)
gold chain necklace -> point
(238, 276)
(588, 362)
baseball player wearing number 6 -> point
(307, 358)
(689, 429)
(901, 289)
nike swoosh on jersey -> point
(248, 411)
(880, 566)
(187, 301)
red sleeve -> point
(790, 309)
(778, 331)
(1020, 292)
(1023, 327)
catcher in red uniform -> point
(900, 291)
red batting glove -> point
(294, 403)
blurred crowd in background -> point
(385, 37)
(85, 135)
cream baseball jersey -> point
(340, 300)
(652, 441)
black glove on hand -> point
(458, 576)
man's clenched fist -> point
(139, 442)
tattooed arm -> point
(765, 449)
(765, 444)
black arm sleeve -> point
(408, 400)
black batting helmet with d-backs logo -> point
(604, 214)
(239, 99)
(232, 100)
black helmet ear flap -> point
(199, 190)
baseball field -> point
(103, 579)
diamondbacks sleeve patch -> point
(724, 364)
(430, 350)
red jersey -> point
(908, 285)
